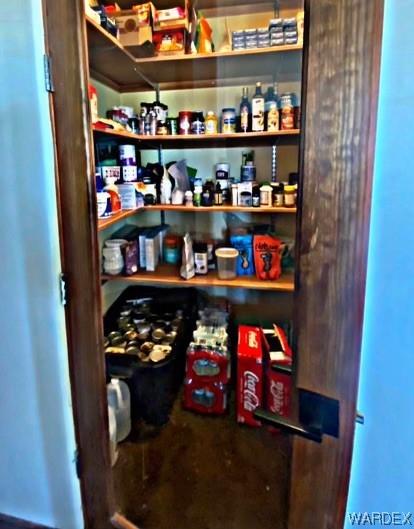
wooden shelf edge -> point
(103, 224)
(220, 209)
(196, 137)
(167, 275)
(107, 222)
(219, 54)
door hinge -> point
(77, 463)
(63, 289)
(47, 63)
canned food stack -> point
(208, 367)
(144, 332)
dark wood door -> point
(341, 74)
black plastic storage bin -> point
(153, 386)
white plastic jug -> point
(112, 435)
(120, 400)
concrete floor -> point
(202, 472)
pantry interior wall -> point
(38, 479)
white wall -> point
(37, 478)
(383, 462)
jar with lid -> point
(278, 195)
(290, 196)
(228, 121)
(218, 195)
(172, 249)
(266, 195)
(245, 199)
(211, 123)
(188, 198)
(207, 197)
(200, 258)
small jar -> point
(188, 198)
(211, 123)
(185, 117)
(278, 195)
(228, 121)
(266, 195)
(290, 196)
(171, 249)
(201, 258)
(245, 199)
(113, 261)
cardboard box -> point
(170, 42)
(131, 30)
(278, 383)
(251, 362)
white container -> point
(127, 155)
(120, 400)
(113, 262)
(227, 262)
(112, 435)
(128, 194)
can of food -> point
(185, 118)
(228, 121)
(114, 335)
(132, 350)
(222, 171)
(172, 126)
(131, 335)
(158, 335)
(147, 347)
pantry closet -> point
(198, 470)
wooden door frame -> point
(341, 66)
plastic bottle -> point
(258, 102)
(272, 109)
(245, 111)
(119, 400)
(112, 435)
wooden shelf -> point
(122, 215)
(169, 275)
(217, 209)
(213, 4)
(103, 224)
(199, 140)
(116, 66)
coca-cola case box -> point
(208, 365)
(209, 398)
(251, 363)
(278, 381)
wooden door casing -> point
(342, 77)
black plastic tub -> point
(153, 386)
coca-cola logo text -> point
(250, 394)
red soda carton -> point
(209, 398)
(278, 380)
(250, 374)
(208, 364)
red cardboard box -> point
(209, 398)
(250, 373)
(278, 383)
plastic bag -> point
(187, 270)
